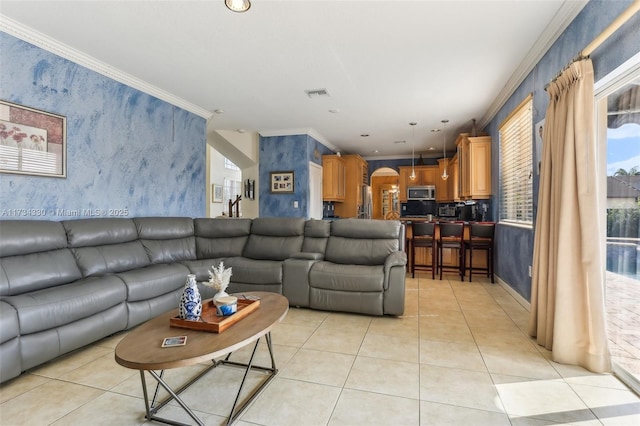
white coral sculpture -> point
(219, 277)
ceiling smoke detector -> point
(316, 93)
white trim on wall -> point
(561, 20)
(517, 296)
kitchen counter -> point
(409, 219)
(423, 254)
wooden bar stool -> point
(423, 235)
(481, 238)
(451, 237)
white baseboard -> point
(521, 300)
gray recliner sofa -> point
(66, 284)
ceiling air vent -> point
(316, 93)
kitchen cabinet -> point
(444, 193)
(454, 179)
(333, 178)
(356, 175)
(425, 175)
(474, 166)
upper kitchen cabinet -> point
(425, 175)
(444, 192)
(454, 179)
(474, 166)
(333, 178)
(357, 175)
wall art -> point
(32, 142)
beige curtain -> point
(567, 302)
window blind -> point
(516, 165)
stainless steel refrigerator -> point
(364, 211)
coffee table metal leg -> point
(175, 397)
(233, 416)
(151, 407)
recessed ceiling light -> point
(241, 130)
(375, 151)
(431, 148)
(238, 6)
(334, 110)
(436, 130)
(365, 135)
(218, 111)
(397, 142)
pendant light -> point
(444, 175)
(413, 144)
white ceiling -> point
(384, 63)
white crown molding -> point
(561, 20)
(300, 131)
(386, 157)
(47, 43)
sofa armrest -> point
(307, 255)
(397, 258)
(395, 269)
(295, 280)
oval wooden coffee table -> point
(142, 350)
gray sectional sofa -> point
(66, 284)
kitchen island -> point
(449, 256)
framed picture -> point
(282, 182)
(216, 193)
(32, 142)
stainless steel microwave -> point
(424, 192)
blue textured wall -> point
(283, 154)
(128, 153)
(514, 246)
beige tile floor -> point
(458, 356)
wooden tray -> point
(212, 323)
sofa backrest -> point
(363, 241)
(274, 238)
(167, 239)
(105, 245)
(33, 256)
(316, 234)
(218, 238)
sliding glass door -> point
(618, 109)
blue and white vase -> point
(190, 303)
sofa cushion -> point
(252, 271)
(111, 259)
(356, 241)
(9, 321)
(316, 234)
(98, 232)
(103, 246)
(333, 276)
(34, 255)
(274, 238)
(200, 268)
(218, 238)
(30, 236)
(167, 239)
(53, 307)
(30, 272)
(154, 280)
(367, 228)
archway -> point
(384, 192)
